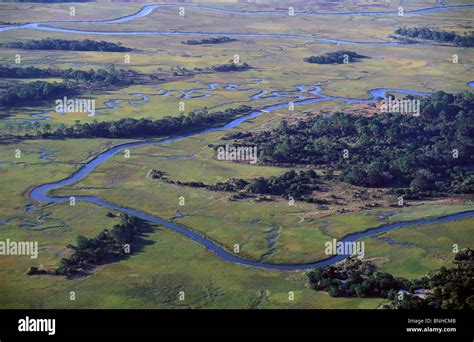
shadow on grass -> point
(137, 246)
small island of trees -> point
(217, 40)
(71, 45)
(228, 67)
(337, 57)
(231, 67)
(298, 185)
(133, 128)
(426, 33)
(105, 247)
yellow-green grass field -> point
(19, 174)
(354, 28)
(277, 61)
(420, 249)
(245, 222)
(164, 262)
(32, 12)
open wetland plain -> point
(224, 148)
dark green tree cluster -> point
(437, 35)
(217, 40)
(28, 72)
(230, 67)
(132, 128)
(443, 289)
(336, 57)
(425, 155)
(89, 252)
(26, 128)
(354, 278)
(63, 44)
(102, 76)
(298, 185)
(32, 93)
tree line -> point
(133, 128)
(105, 77)
(64, 44)
(33, 92)
(90, 252)
(442, 289)
(291, 184)
(437, 35)
(425, 155)
(216, 40)
(337, 57)
(229, 67)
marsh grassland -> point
(163, 262)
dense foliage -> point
(63, 44)
(217, 40)
(298, 185)
(354, 278)
(36, 92)
(231, 67)
(437, 35)
(105, 77)
(443, 289)
(129, 127)
(337, 57)
(32, 93)
(428, 154)
(89, 252)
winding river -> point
(40, 193)
(146, 10)
(304, 93)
